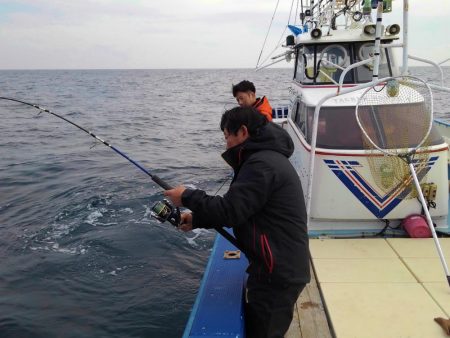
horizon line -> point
(175, 68)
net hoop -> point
(400, 79)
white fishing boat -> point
(374, 168)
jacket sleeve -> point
(247, 196)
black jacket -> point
(264, 205)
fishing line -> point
(278, 44)
(268, 31)
(154, 177)
(173, 214)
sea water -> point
(80, 255)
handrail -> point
(346, 70)
(332, 64)
(436, 65)
(440, 63)
(328, 76)
(433, 86)
(314, 135)
(392, 45)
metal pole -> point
(378, 32)
(429, 221)
(405, 37)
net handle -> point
(418, 82)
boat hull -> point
(345, 195)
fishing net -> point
(396, 119)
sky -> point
(136, 34)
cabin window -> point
(366, 50)
(295, 110)
(299, 72)
(323, 64)
(389, 126)
(300, 117)
(338, 128)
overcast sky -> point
(87, 34)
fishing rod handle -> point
(161, 183)
(228, 237)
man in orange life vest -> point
(245, 94)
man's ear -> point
(244, 130)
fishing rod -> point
(154, 177)
(161, 210)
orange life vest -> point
(263, 106)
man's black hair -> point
(244, 86)
(234, 118)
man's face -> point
(245, 99)
(233, 140)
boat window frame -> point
(352, 77)
(347, 127)
(316, 63)
(299, 118)
(294, 110)
(296, 63)
(385, 52)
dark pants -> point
(269, 308)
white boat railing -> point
(346, 70)
(435, 64)
(433, 86)
(314, 134)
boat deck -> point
(391, 287)
(310, 320)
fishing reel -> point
(164, 211)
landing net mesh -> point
(395, 119)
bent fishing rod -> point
(155, 178)
(162, 210)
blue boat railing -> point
(219, 308)
(280, 112)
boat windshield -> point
(324, 63)
(338, 128)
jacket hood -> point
(270, 137)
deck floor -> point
(310, 320)
(373, 288)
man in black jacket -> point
(266, 208)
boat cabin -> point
(322, 61)
(351, 186)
